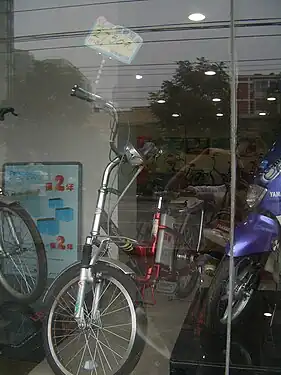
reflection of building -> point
(6, 46)
(63, 63)
(23, 63)
(252, 92)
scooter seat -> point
(216, 235)
(206, 193)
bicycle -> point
(98, 298)
(201, 177)
(20, 243)
(168, 247)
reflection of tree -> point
(190, 93)
(45, 91)
(50, 121)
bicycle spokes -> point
(103, 343)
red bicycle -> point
(166, 261)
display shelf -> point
(20, 332)
(256, 341)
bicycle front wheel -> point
(112, 342)
(23, 272)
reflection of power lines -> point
(173, 63)
(181, 40)
(133, 67)
(78, 5)
(144, 29)
(172, 71)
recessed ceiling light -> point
(99, 53)
(138, 76)
(196, 17)
(219, 114)
(271, 98)
(216, 100)
(175, 115)
(267, 314)
(210, 73)
(262, 113)
(161, 101)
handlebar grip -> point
(91, 97)
(81, 93)
(106, 105)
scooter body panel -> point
(254, 236)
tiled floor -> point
(8, 367)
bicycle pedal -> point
(166, 287)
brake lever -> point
(5, 111)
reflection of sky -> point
(156, 52)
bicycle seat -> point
(208, 189)
(215, 193)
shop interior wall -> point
(48, 139)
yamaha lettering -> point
(275, 194)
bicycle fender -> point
(117, 264)
(111, 262)
(8, 200)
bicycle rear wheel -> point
(23, 271)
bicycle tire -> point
(71, 275)
(27, 298)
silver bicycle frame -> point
(85, 271)
(91, 253)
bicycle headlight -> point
(255, 195)
(133, 156)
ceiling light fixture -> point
(175, 115)
(216, 100)
(196, 17)
(161, 101)
(268, 314)
(219, 114)
(262, 113)
(271, 98)
(210, 73)
(138, 76)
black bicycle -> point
(20, 246)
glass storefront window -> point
(118, 186)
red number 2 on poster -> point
(59, 185)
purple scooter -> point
(256, 245)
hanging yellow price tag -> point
(114, 41)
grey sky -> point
(152, 12)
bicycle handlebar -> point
(148, 151)
(88, 96)
(4, 111)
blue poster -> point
(51, 193)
